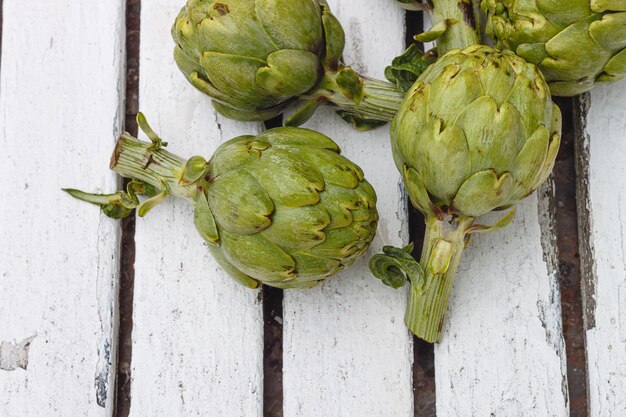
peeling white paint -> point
(15, 355)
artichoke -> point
(255, 58)
(282, 208)
(575, 43)
(477, 132)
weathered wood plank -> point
(603, 246)
(60, 104)
(198, 335)
(346, 349)
(502, 352)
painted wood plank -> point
(61, 95)
(346, 349)
(502, 352)
(197, 335)
(603, 246)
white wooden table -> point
(197, 337)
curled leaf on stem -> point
(394, 266)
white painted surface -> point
(606, 342)
(198, 335)
(502, 352)
(346, 349)
(60, 100)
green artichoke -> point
(477, 132)
(282, 208)
(575, 43)
(255, 58)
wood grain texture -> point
(604, 148)
(502, 353)
(61, 96)
(198, 335)
(346, 349)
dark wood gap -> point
(424, 395)
(569, 261)
(127, 247)
(273, 338)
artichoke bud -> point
(477, 132)
(576, 44)
(255, 58)
(282, 208)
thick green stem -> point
(146, 162)
(463, 29)
(428, 298)
(365, 98)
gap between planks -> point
(127, 243)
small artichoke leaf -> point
(435, 32)
(548, 165)
(112, 205)
(534, 53)
(335, 39)
(482, 193)
(256, 255)
(359, 122)
(297, 184)
(152, 202)
(554, 11)
(500, 224)
(291, 24)
(303, 113)
(204, 220)
(289, 73)
(418, 194)
(298, 229)
(195, 168)
(231, 270)
(288, 137)
(440, 257)
(239, 203)
(494, 136)
(615, 69)
(351, 84)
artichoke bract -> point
(255, 58)
(282, 208)
(477, 132)
(575, 43)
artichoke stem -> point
(428, 298)
(463, 25)
(152, 164)
(366, 98)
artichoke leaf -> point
(257, 256)
(304, 112)
(204, 220)
(240, 203)
(300, 228)
(395, 266)
(615, 69)
(231, 270)
(482, 193)
(290, 136)
(289, 73)
(335, 169)
(500, 224)
(334, 37)
(291, 24)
